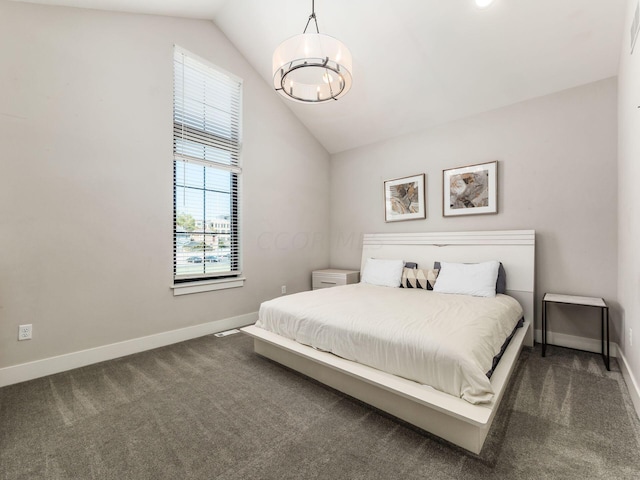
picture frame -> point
(404, 198)
(470, 190)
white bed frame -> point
(439, 413)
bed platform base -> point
(441, 414)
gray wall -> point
(628, 199)
(85, 188)
(557, 175)
(86, 182)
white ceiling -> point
(418, 63)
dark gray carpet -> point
(212, 409)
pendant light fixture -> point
(312, 67)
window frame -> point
(196, 283)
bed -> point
(461, 418)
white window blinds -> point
(207, 106)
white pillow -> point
(386, 273)
(477, 279)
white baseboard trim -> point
(579, 343)
(69, 361)
(632, 384)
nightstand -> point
(332, 277)
(585, 302)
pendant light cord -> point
(312, 16)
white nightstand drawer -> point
(333, 277)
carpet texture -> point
(210, 408)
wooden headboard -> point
(514, 248)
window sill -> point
(207, 286)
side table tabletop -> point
(585, 302)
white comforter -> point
(445, 341)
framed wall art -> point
(404, 199)
(470, 190)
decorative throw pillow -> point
(419, 278)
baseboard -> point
(632, 384)
(579, 343)
(69, 361)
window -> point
(207, 105)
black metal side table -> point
(585, 302)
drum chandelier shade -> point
(312, 67)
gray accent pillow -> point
(501, 283)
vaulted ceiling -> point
(418, 63)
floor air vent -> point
(227, 332)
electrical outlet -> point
(630, 337)
(284, 289)
(24, 332)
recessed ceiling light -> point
(483, 3)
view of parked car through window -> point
(202, 247)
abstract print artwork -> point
(404, 198)
(470, 190)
